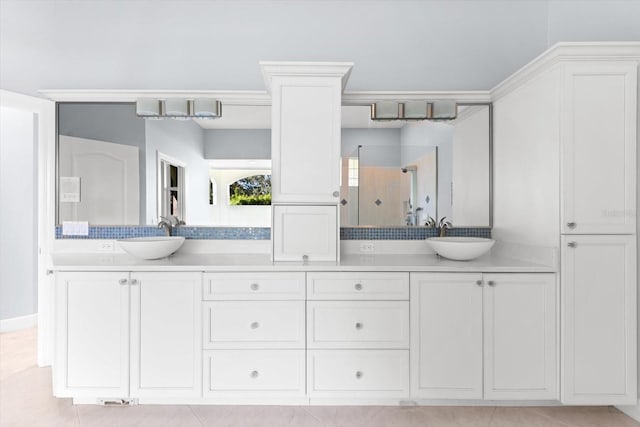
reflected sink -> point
(460, 248)
(151, 247)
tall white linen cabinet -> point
(305, 150)
(566, 176)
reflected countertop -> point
(262, 262)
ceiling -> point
(396, 45)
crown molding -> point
(567, 52)
(228, 97)
(309, 69)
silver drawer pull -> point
(479, 282)
(336, 193)
(255, 325)
(254, 374)
(358, 286)
(255, 286)
(359, 374)
(571, 224)
(572, 244)
(359, 325)
(122, 281)
(133, 281)
(491, 283)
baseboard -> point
(632, 411)
(18, 323)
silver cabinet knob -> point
(254, 286)
(358, 286)
(133, 281)
(359, 374)
(572, 244)
(336, 194)
(491, 283)
(254, 374)
(359, 325)
(305, 258)
(255, 325)
(571, 224)
(122, 281)
(479, 282)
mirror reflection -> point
(117, 169)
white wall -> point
(183, 141)
(526, 141)
(237, 144)
(18, 220)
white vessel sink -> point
(460, 248)
(151, 247)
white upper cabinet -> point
(305, 139)
(598, 140)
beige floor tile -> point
(580, 416)
(138, 416)
(254, 416)
(17, 351)
(524, 417)
(26, 399)
(458, 416)
(344, 415)
(399, 416)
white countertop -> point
(262, 262)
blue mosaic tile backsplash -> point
(264, 233)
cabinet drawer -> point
(358, 324)
(254, 324)
(358, 373)
(358, 286)
(254, 286)
(279, 372)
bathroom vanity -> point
(311, 319)
(383, 329)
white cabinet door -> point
(599, 320)
(305, 233)
(92, 335)
(166, 348)
(357, 286)
(598, 137)
(520, 337)
(306, 139)
(446, 335)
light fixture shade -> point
(385, 110)
(416, 110)
(176, 107)
(207, 108)
(444, 110)
(148, 107)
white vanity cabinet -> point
(599, 318)
(121, 334)
(466, 327)
(254, 335)
(92, 335)
(357, 335)
(305, 233)
(598, 139)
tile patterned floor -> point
(26, 401)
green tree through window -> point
(251, 190)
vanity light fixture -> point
(414, 110)
(179, 108)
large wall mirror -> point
(115, 168)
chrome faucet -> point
(444, 225)
(168, 224)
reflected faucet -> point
(168, 224)
(444, 225)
